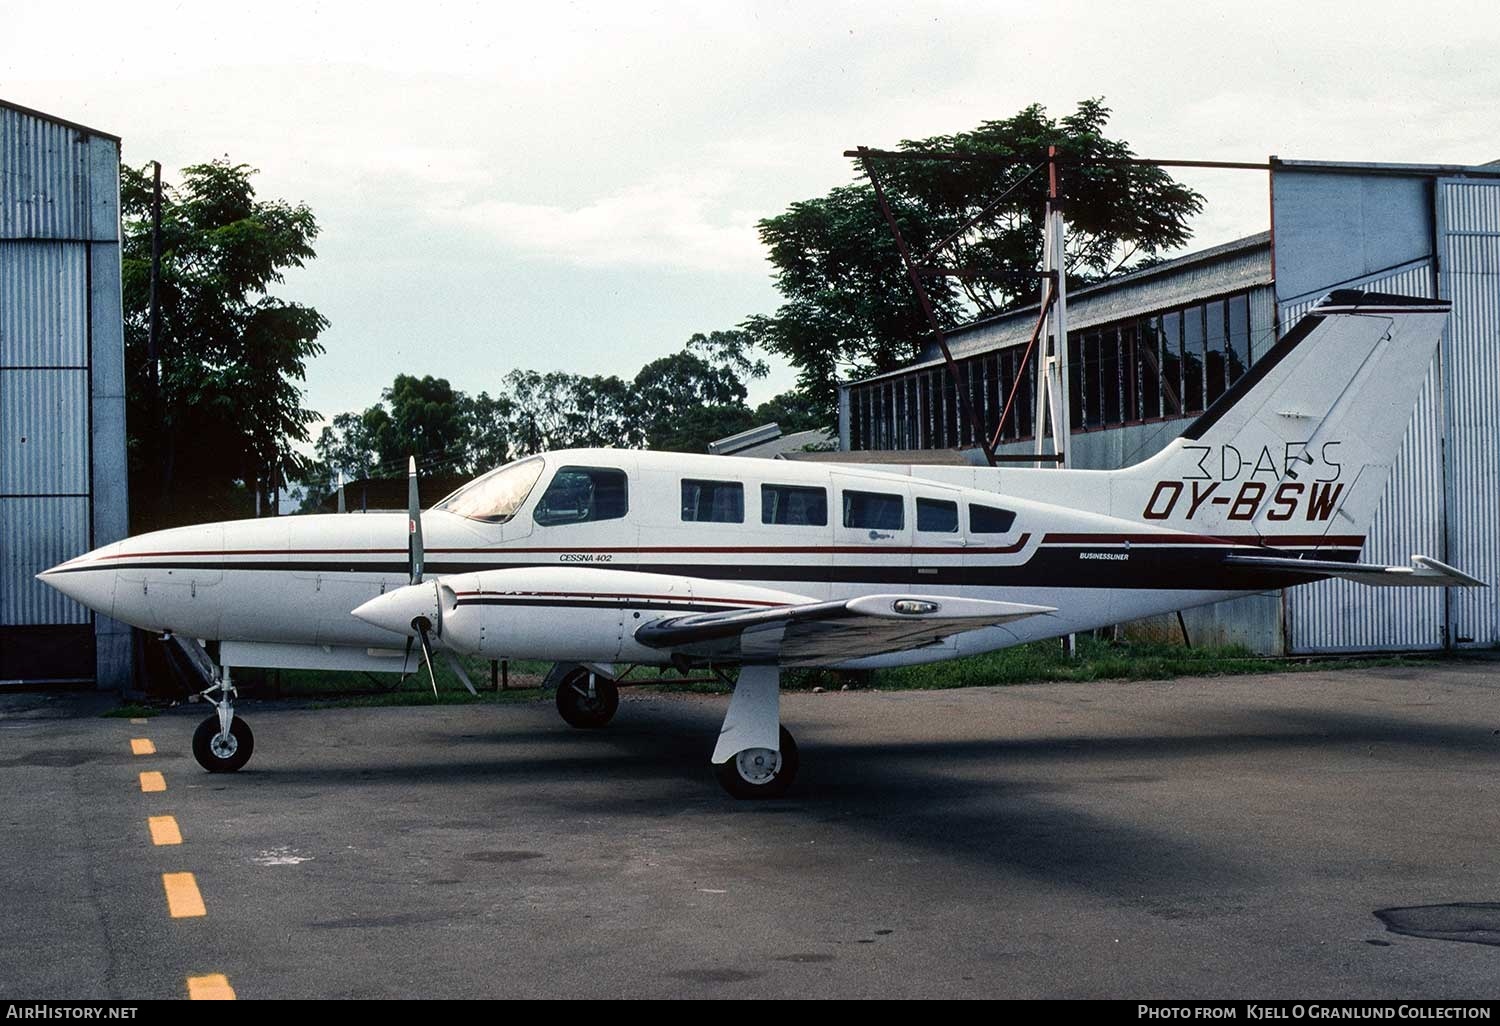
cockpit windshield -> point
(495, 497)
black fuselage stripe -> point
(1186, 568)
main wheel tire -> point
(760, 773)
(579, 710)
(223, 755)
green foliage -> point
(849, 309)
(221, 429)
(679, 402)
(793, 411)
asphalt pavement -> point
(1240, 837)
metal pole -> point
(1052, 369)
(155, 324)
(1062, 433)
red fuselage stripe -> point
(1169, 538)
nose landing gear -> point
(223, 742)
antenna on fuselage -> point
(341, 507)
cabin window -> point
(580, 495)
(793, 505)
(937, 515)
(990, 519)
(495, 497)
(715, 502)
(874, 510)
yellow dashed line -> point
(142, 746)
(183, 899)
(214, 987)
(152, 781)
(138, 720)
(164, 830)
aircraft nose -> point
(395, 610)
(89, 579)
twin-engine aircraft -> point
(600, 558)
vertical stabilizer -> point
(1302, 445)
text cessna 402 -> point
(598, 559)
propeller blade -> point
(458, 671)
(414, 523)
(421, 625)
(342, 508)
(406, 660)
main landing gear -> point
(756, 756)
(222, 743)
(586, 699)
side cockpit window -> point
(495, 497)
(990, 519)
(579, 495)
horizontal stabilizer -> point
(822, 633)
(1423, 572)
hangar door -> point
(1341, 616)
(1468, 222)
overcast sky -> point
(575, 186)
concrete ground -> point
(1226, 837)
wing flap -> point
(821, 633)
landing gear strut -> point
(223, 742)
(756, 757)
(586, 699)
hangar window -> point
(715, 502)
(1169, 363)
(495, 497)
(937, 515)
(580, 495)
(875, 510)
(793, 505)
(990, 519)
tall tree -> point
(849, 309)
(686, 400)
(219, 433)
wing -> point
(1424, 571)
(826, 633)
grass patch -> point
(1042, 661)
(1036, 662)
(130, 711)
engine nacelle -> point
(563, 614)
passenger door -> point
(938, 545)
(872, 535)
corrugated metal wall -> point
(46, 176)
(36, 533)
(62, 431)
(1469, 246)
(1341, 616)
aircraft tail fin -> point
(1302, 445)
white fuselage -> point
(289, 584)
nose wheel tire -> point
(760, 772)
(580, 709)
(222, 753)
